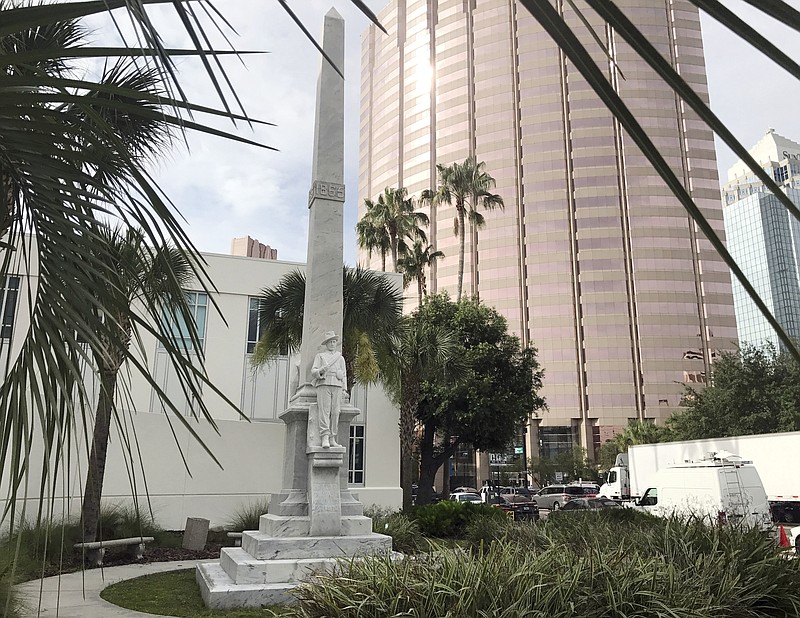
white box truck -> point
(720, 489)
(773, 455)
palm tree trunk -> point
(420, 285)
(407, 410)
(461, 231)
(383, 261)
(393, 240)
(90, 512)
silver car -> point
(554, 497)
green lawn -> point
(174, 593)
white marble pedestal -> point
(288, 547)
(268, 564)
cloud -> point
(225, 189)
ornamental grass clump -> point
(592, 565)
(406, 535)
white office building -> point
(250, 450)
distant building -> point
(593, 260)
(250, 247)
(763, 238)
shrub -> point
(47, 546)
(449, 519)
(405, 533)
(644, 567)
(10, 606)
(247, 517)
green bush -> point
(46, 546)
(247, 517)
(405, 533)
(449, 519)
(619, 564)
(10, 606)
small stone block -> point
(196, 533)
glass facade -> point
(764, 239)
(592, 260)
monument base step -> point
(219, 591)
(282, 526)
(242, 568)
(266, 547)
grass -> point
(611, 564)
(174, 593)
(247, 516)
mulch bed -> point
(153, 553)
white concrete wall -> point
(251, 453)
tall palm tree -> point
(371, 236)
(417, 352)
(466, 186)
(372, 308)
(413, 264)
(392, 219)
(73, 154)
(152, 278)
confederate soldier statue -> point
(330, 377)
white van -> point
(720, 489)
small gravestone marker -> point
(195, 534)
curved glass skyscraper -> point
(592, 260)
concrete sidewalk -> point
(77, 595)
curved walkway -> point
(77, 595)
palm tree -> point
(371, 311)
(466, 186)
(150, 277)
(389, 221)
(371, 236)
(413, 264)
(417, 352)
(74, 154)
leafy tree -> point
(417, 353)
(495, 400)
(753, 391)
(639, 432)
(153, 279)
(413, 264)
(371, 312)
(573, 465)
(466, 186)
(389, 222)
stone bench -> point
(97, 549)
(237, 538)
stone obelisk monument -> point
(314, 520)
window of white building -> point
(8, 305)
(355, 467)
(198, 306)
(254, 327)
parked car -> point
(522, 507)
(464, 496)
(470, 490)
(554, 497)
(590, 504)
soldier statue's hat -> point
(328, 336)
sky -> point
(225, 189)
